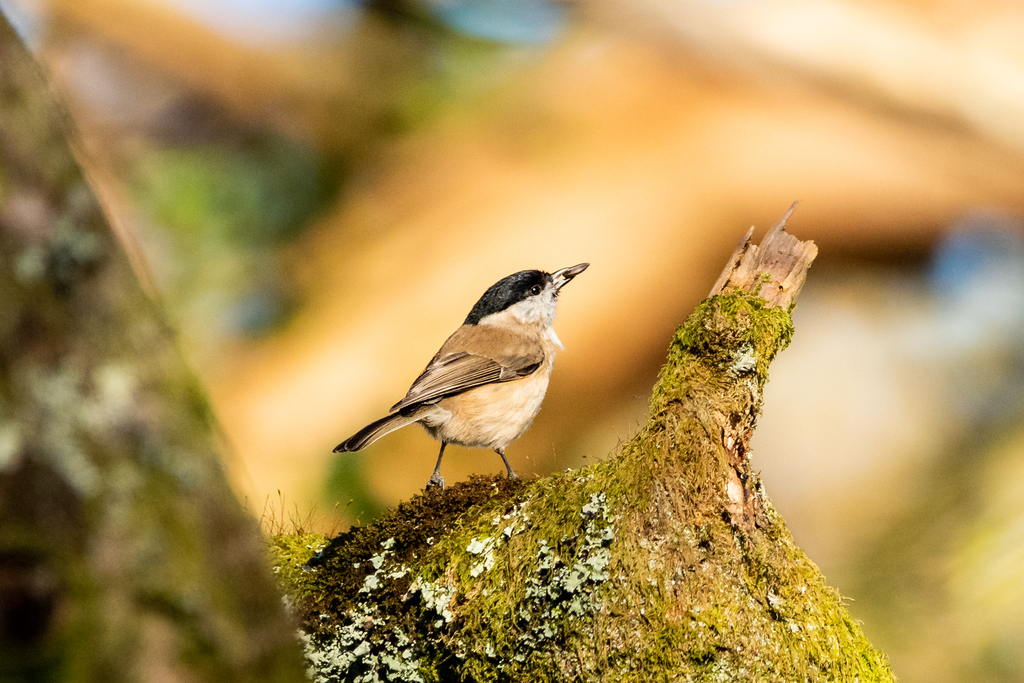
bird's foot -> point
(512, 475)
(436, 480)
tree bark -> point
(123, 553)
(666, 562)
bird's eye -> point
(535, 290)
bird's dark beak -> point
(561, 277)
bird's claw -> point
(435, 480)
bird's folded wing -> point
(457, 372)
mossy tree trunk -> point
(666, 562)
(123, 553)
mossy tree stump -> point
(666, 562)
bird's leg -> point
(511, 474)
(436, 479)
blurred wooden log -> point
(351, 74)
(666, 562)
(947, 65)
(123, 553)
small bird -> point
(486, 384)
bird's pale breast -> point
(491, 416)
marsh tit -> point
(486, 384)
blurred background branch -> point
(123, 553)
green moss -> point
(289, 554)
(728, 336)
(629, 569)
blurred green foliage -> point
(223, 207)
(257, 194)
(345, 483)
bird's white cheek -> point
(536, 309)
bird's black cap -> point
(507, 292)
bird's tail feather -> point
(373, 431)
